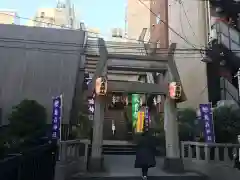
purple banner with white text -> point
(56, 117)
(207, 118)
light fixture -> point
(218, 9)
(206, 59)
(222, 62)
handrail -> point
(233, 98)
(225, 88)
(228, 36)
(209, 144)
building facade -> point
(39, 67)
(224, 42)
(9, 17)
(181, 22)
(62, 16)
(137, 18)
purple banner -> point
(206, 116)
(56, 117)
(146, 118)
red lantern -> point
(175, 90)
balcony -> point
(225, 38)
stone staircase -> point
(117, 117)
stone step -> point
(160, 177)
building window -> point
(158, 18)
(71, 22)
(42, 14)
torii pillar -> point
(96, 160)
(173, 162)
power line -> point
(34, 20)
(181, 24)
(167, 25)
(31, 41)
(185, 13)
(115, 46)
(74, 52)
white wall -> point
(192, 71)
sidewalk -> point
(123, 166)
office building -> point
(62, 16)
(9, 17)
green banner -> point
(135, 108)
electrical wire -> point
(57, 25)
(185, 13)
(169, 27)
(36, 42)
(24, 18)
(58, 51)
(108, 46)
(177, 35)
(181, 23)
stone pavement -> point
(215, 171)
(122, 167)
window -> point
(71, 22)
(42, 14)
(158, 18)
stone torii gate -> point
(140, 63)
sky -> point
(102, 14)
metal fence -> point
(37, 163)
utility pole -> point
(238, 137)
(203, 20)
(125, 23)
(238, 76)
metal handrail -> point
(223, 87)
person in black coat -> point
(145, 154)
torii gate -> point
(163, 64)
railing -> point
(209, 152)
(228, 91)
(35, 164)
(228, 36)
(73, 157)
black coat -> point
(146, 151)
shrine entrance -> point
(105, 87)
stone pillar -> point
(160, 98)
(173, 162)
(96, 161)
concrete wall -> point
(38, 63)
(192, 71)
(138, 17)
